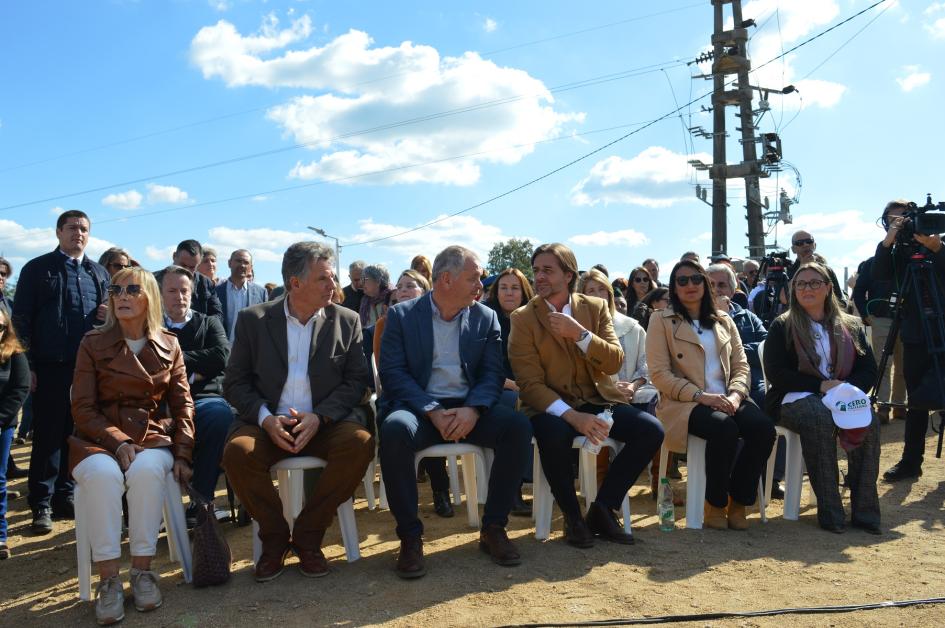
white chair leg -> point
(762, 503)
(695, 482)
(483, 471)
(369, 485)
(625, 512)
(349, 531)
(765, 495)
(536, 474)
(542, 500)
(176, 525)
(257, 544)
(793, 476)
(454, 480)
(587, 476)
(83, 548)
(382, 492)
(469, 481)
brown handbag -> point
(211, 552)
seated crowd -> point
(131, 376)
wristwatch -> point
(696, 396)
(583, 336)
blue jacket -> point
(407, 356)
(752, 332)
(38, 307)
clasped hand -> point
(292, 433)
(590, 425)
(721, 403)
(454, 424)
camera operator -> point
(804, 246)
(890, 263)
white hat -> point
(849, 406)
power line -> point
(606, 78)
(234, 114)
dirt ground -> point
(774, 565)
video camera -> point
(926, 220)
(767, 304)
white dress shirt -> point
(558, 407)
(297, 390)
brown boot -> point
(714, 517)
(736, 515)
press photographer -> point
(912, 256)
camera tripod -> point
(920, 289)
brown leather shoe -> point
(736, 515)
(312, 562)
(603, 522)
(577, 533)
(410, 560)
(271, 564)
(714, 517)
(494, 541)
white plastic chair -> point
(470, 454)
(289, 474)
(174, 523)
(543, 500)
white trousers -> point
(103, 484)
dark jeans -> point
(6, 439)
(917, 421)
(49, 479)
(403, 434)
(641, 432)
(726, 474)
(212, 419)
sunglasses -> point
(803, 241)
(813, 284)
(683, 280)
(641, 280)
(117, 265)
(132, 290)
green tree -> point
(513, 253)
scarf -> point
(842, 356)
(372, 307)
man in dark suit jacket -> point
(297, 377)
(238, 292)
(59, 297)
(204, 297)
(442, 377)
(206, 350)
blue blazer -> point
(407, 356)
(257, 295)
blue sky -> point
(118, 95)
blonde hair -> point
(421, 280)
(797, 321)
(596, 275)
(154, 321)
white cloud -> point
(21, 244)
(124, 200)
(657, 177)
(362, 86)
(489, 25)
(55, 211)
(913, 78)
(259, 198)
(160, 254)
(936, 25)
(626, 237)
(266, 245)
(220, 5)
(166, 194)
(845, 237)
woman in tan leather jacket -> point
(133, 425)
(698, 364)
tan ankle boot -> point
(714, 517)
(736, 515)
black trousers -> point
(917, 421)
(641, 433)
(49, 478)
(725, 473)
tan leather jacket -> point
(119, 397)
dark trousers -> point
(403, 434)
(725, 473)
(917, 421)
(26, 420)
(212, 419)
(6, 439)
(346, 446)
(642, 435)
(49, 479)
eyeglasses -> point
(641, 280)
(117, 265)
(683, 280)
(813, 284)
(803, 241)
(132, 290)
(4, 274)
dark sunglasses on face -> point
(132, 290)
(803, 241)
(641, 280)
(117, 265)
(683, 280)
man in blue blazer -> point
(238, 292)
(441, 377)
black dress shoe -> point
(577, 533)
(836, 528)
(63, 508)
(777, 492)
(603, 522)
(14, 472)
(42, 520)
(902, 471)
(870, 528)
(410, 562)
(494, 541)
(519, 507)
(442, 504)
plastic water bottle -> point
(667, 510)
(607, 417)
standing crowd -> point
(125, 378)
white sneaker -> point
(110, 601)
(144, 588)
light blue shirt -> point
(236, 300)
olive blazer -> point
(546, 366)
(677, 367)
